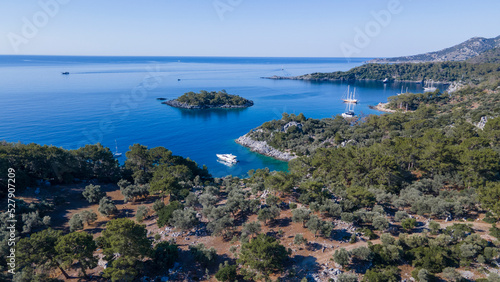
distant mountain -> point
(461, 52)
(490, 56)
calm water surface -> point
(104, 99)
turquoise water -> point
(104, 99)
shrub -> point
(408, 223)
(362, 253)
(451, 274)
(93, 193)
(158, 205)
(142, 213)
(75, 223)
(250, 228)
(386, 274)
(347, 217)
(202, 255)
(495, 232)
(299, 239)
(226, 273)
(400, 215)
(381, 223)
(88, 216)
(165, 254)
(165, 213)
(264, 253)
(184, 219)
(107, 207)
(369, 233)
(434, 227)
(347, 277)
(301, 215)
(341, 257)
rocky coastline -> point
(263, 148)
(177, 104)
(311, 78)
(383, 107)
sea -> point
(113, 101)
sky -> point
(247, 28)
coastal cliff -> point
(177, 104)
(263, 148)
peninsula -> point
(209, 100)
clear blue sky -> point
(285, 28)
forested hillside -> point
(465, 72)
(414, 193)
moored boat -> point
(228, 158)
(350, 98)
(348, 114)
(430, 87)
(117, 154)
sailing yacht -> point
(350, 97)
(402, 93)
(117, 154)
(429, 88)
(349, 111)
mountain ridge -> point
(468, 49)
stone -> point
(263, 148)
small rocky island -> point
(209, 100)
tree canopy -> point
(264, 253)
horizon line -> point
(193, 56)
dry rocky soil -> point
(315, 258)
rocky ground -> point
(263, 148)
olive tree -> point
(107, 207)
(184, 219)
(93, 193)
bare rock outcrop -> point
(263, 148)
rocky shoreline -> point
(263, 148)
(311, 78)
(177, 104)
(382, 107)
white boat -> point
(349, 111)
(429, 88)
(351, 97)
(228, 158)
(117, 154)
(348, 114)
(386, 80)
(402, 93)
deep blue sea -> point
(104, 99)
